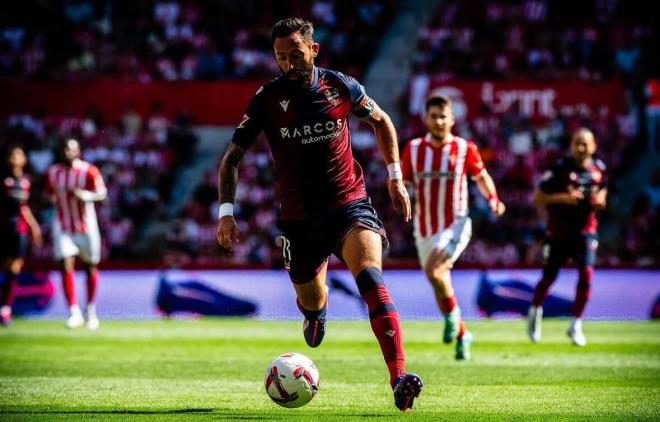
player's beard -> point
(304, 76)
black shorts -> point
(307, 245)
(12, 243)
(581, 249)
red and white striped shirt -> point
(73, 214)
(438, 176)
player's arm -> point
(487, 188)
(91, 195)
(389, 148)
(227, 231)
(95, 190)
(476, 169)
(35, 230)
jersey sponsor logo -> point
(325, 131)
(435, 174)
(284, 104)
(243, 121)
(332, 95)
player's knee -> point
(368, 279)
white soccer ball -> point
(291, 380)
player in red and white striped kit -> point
(436, 167)
(74, 185)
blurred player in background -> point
(16, 224)
(74, 186)
(435, 168)
(572, 190)
(324, 203)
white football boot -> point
(75, 319)
(575, 332)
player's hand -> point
(35, 236)
(227, 232)
(574, 196)
(78, 193)
(597, 200)
(399, 195)
(497, 207)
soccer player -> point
(74, 186)
(572, 190)
(435, 167)
(16, 223)
(324, 208)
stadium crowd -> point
(537, 39)
(177, 40)
(208, 40)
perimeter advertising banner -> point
(535, 100)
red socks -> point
(384, 320)
(68, 283)
(447, 304)
(92, 283)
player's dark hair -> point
(288, 26)
(438, 100)
(6, 152)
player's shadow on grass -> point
(107, 412)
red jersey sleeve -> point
(94, 181)
(406, 165)
(473, 162)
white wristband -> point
(394, 170)
(226, 209)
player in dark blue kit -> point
(572, 191)
(16, 223)
(323, 199)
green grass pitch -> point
(213, 369)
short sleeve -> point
(361, 104)
(551, 180)
(49, 189)
(406, 164)
(251, 124)
(94, 180)
(474, 164)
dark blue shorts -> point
(12, 243)
(581, 249)
(307, 245)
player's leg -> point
(554, 256)
(306, 259)
(362, 252)
(12, 267)
(92, 274)
(67, 268)
(585, 259)
(89, 245)
(437, 272)
(312, 300)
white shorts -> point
(87, 245)
(452, 240)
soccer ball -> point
(291, 380)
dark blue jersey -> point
(565, 221)
(14, 195)
(308, 133)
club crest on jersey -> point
(452, 158)
(332, 95)
(284, 104)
